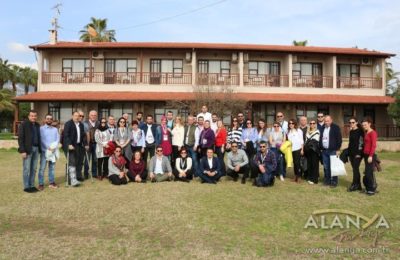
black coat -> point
(70, 135)
(25, 137)
(335, 138)
(153, 130)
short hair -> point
(200, 117)
(149, 116)
(48, 115)
(234, 142)
(214, 114)
(367, 119)
(263, 142)
(169, 112)
(135, 122)
(110, 116)
(75, 112)
(159, 146)
(209, 148)
(139, 113)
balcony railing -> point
(217, 79)
(359, 82)
(383, 131)
(266, 80)
(117, 78)
(313, 81)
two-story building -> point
(127, 77)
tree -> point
(392, 79)
(100, 33)
(4, 72)
(28, 77)
(6, 96)
(394, 108)
(15, 76)
(300, 43)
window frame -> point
(269, 64)
(86, 66)
(314, 68)
(222, 71)
(54, 110)
(352, 74)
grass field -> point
(180, 220)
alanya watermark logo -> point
(348, 221)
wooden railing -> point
(217, 79)
(383, 131)
(158, 78)
(266, 80)
(359, 82)
(313, 81)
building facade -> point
(127, 77)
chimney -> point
(53, 36)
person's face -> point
(170, 116)
(279, 117)
(93, 116)
(126, 116)
(261, 124)
(234, 147)
(159, 151)
(214, 118)
(204, 109)
(76, 117)
(353, 123)
(303, 121)
(163, 121)
(249, 124)
(240, 117)
(137, 156)
(32, 117)
(263, 147)
(111, 121)
(183, 154)
(149, 120)
(313, 125)
(320, 118)
(328, 121)
(276, 127)
(200, 121)
(190, 120)
(103, 123)
(366, 126)
(206, 124)
(81, 117)
(177, 121)
(235, 122)
(117, 152)
(49, 120)
(291, 124)
(210, 154)
(122, 123)
(135, 127)
(139, 117)
(219, 124)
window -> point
(307, 69)
(120, 65)
(174, 67)
(348, 70)
(214, 66)
(300, 111)
(54, 110)
(347, 113)
(323, 109)
(264, 111)
(270, 112)
(309, 111)
(369, 111)
(104, 110)
(264, 68)
(76, 66)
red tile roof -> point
(155, 96)
(224, 46)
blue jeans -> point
(280, 160)
(91, 156)
(193, 154)
(29, 165)
(326, 160)
(42, 168)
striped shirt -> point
(235, 135)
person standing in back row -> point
(355, 149)
(370, 140)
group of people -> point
(140, 150)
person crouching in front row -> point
(210, 168)
(137, 168)
(160, 167)
(183, 166)
(116, 167)
(265, 162)
(237, 163)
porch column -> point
(40, 71)
(290, 69)
(194, 68)
(334, 73)
(241, 69)
(383, 76)
(16, 117)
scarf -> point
(118, 162)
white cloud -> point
(24, 64)
(18, 47)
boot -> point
(72, 176)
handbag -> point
(303, 163)
(337, 166)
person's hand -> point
(228, 146)
(337, 153)
(179, 148)
(370, 159)
(358, 156)
(211, 174)
(301, 152)
(142, 149)
(195, 148)
(87, 148)
(23, 155)
(169, 174)
(106, 146)
(222, 149)
(237, 168)
(262, 168)
(182, 175)
(71, 147)
(152, 175)
(137, 178)
(121, 175)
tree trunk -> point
(26, 90)
(1, 84)
(14, 86)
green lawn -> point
(6, 136)
(180, 220)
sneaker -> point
(53, 185)
(76, 184)
(310, 182)
(41, 187)
(28, 190)
(370, 193)
(282, 179)
(33, 189)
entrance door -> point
(155, 71)
(109, 74)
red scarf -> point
(119, 161)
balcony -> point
(313, 81)
(266, 80)
(217, 79)
(118, 78)
(359, 82)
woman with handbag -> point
(276, 139)
(312, 152)
(295, 136)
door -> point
(155, 71)
(109, 72)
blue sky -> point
(372, 24)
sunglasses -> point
(290, 123)
(276, 125)
(117, 151)
(159, 151)
(81, 116)
(263, 146)
(352, 122)
(279, 116)
(312, 123)
(233, 146)
(320, 116)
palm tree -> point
(14, 77)
(300, 43)
(102, 34)
(4, 72)
(28, 77)
(6, 96)
(392, 79)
